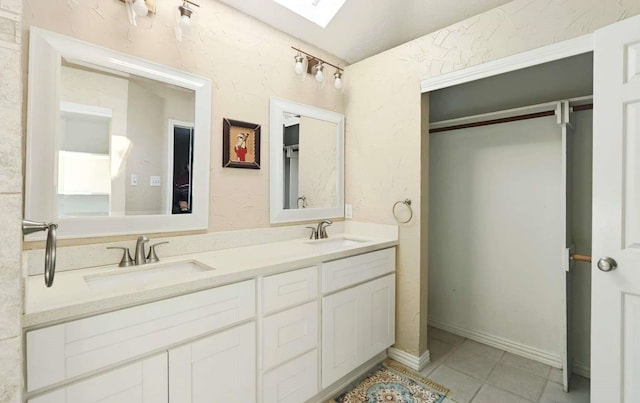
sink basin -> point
(144, 275)
(336, 242)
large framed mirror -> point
(307, 162)
(115, 144)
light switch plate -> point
(155, 181)
(134, 180)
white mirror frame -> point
(279, 214)
(46, 50)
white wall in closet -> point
(495, 235)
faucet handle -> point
(322, 228)
(126, 260)
(314, 233)
(151, 256)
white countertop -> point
(71, 297)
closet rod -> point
(536, 115)
(581, 258)
(494, 121)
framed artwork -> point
(240, 144)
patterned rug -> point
(394, 383)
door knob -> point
(607, 264)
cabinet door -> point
(217, 368)
(341, 318)
(379, 316)
(357, 324)
(293, 382)
(144, 381)
(288, 334)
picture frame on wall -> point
(240, 144)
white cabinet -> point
(289, 342)
(217, 368)
(357, 324)
(145, 381)
(293, 382)
(214, 346)
(288, 334)
(222, 363)
(61, 352)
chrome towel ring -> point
(29, 227)
(406, 202)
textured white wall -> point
(148, 134)
(247, 61)
(89, 88)
(317, 162)
(383, 139)
(11, 284)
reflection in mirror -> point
(125, 148)
(307, 181)
(115, 144)
(182, 155)
(309, 150)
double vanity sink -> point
(157, 273)
(98, 289)
(283, 316)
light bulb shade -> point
(338, 82)
(140, 8)
(299, 68)
(319, 73)
(185, 24)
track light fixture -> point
(338, 79)
(139, 8)
(319, 72)
(316, 66)
(298, 68)
(183, 27)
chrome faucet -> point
(140, 256)
(321, 230)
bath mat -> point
(392, 382)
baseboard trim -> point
(582, 370)
(409, 360)
(503, 344)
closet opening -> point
(510, 160)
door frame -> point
(171, 127)
(561, 50)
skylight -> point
(320, 12)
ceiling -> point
(363, 28)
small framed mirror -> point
(307, 162)
(115, 144)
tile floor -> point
(478, 373)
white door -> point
(217, 368)
(144, 381)
(615, 321)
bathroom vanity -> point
(277, 322)
(260, 315)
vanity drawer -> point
(289, 333)
(288, 289)
(353, 270)
(293, 382)
(60, 352)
